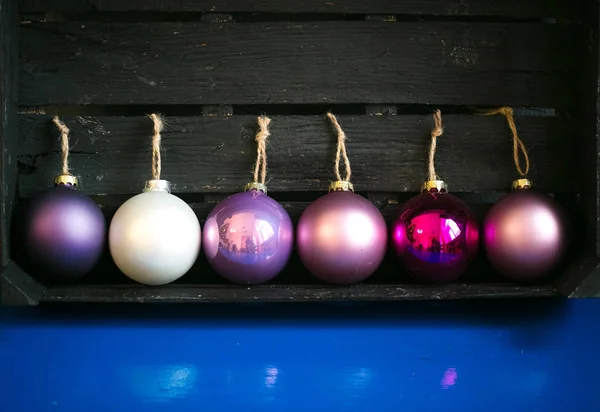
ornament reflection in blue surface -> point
(248, 238)
(162, 383)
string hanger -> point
(518, 145)
(159, 124)
(341, 151)
(260, 168)
(64, 137)
(436, 132)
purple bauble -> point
(64, 234)
(341, 238)
(525, 235)
(435, 237)
(248, 238)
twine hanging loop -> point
(518, 145)
(65, 178)
(157, 184)
(436, 132)
(64, 140)
(434, 183)
(341, 154)
(156, 140)
(260, 167)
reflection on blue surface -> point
(477, 356)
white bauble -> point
(154, 238)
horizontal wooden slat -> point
(288, 293)
(513, 8)
(327, 62)
(216, 154)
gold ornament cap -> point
(341, 186)
(522, 184)
(439, 185)
(66, 180)
(256, 186)
(157, 185)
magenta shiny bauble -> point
(64, 233)
(248, 238)
(436, 237)
(341, 238)
(525, 235)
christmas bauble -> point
(341, 238)
(154, 237)
(525, 235)
(248, 238)
(64, 234)
(435, 235)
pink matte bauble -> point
(435, 237)
(525, 235)
(341, 238)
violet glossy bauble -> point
(525, 235)
(341, 238)
(248, 238)
(64, 234)
(435, 236)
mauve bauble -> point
(341, 238)
(248, 238)
(525, 235)
(436, 237)
(64, 234)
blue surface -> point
(448, 356)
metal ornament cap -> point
(522, 184)
(256, 186)
(341, 186)
(66, 180)
(439, 185)
(157, 186)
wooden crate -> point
(382, 66)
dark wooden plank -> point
(8, 121)
(512, 8)
(289, 293)
(216, 154)
(327, 62)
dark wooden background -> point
(382, 66)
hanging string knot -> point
(156, 140)
(341, 152)
(518, 145)
(260, 169)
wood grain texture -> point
(326, 63)
(288, 293)
(215, 154)
(8, 121)
(511, 8)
